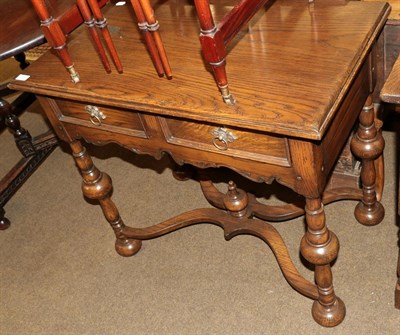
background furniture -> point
(391, 90)
(292, 130)
(390, 42)
(391, 94)
(391, 37)
(20, 32)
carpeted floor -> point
(61, 275)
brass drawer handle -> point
(221, 138)
(96, 115)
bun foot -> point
(369, 215)
(329, 316)
(127, 247)
(4, 223)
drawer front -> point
(257, 146)
(117, 120)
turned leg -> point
(320, 246)
(368, 145)
(23, 139)
(21, 59)
(4, 111)
(97, 185)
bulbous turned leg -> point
(320, 246)
(236, 201)
(368, 144)
(97, 185)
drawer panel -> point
(257, 146)
(117, 120)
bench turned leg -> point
(97, 185)
(320, 247)
(368, 144)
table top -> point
(391, 90)
(394, 17)
(289, 70)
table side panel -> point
(253, 170)
(253, 145)
(346, 117)
(269, 161)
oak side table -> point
(303, 77)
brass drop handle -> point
(96, 115)
(221, 138)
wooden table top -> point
(394, 17)
(391, 90)
(288, 71)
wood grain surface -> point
(391, 90)
(289, 69)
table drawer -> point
(117, 120)
(257, 146)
